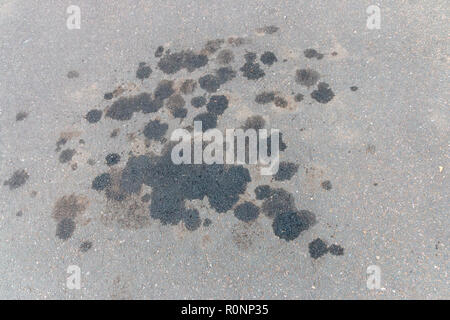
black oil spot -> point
(265, 97)
(289, 225)
(298, 97)
(336, 250)
(18, 179)
(263, 192)
(114, 133)
(21, 116)
(279, 201)
(323, 94)
(212, 82)
(112, 159)
(123, 109)
(354, 88)
(254, 122)
(188, 86)
(85, 246)
(65, 211)
(198, 102)
(317, 248)
(191, 219)
(311, 53)
(171, 63)
(94, 116)
(209, 120)
(225, 56)
(334, 53)
(159, 52)
(66, 155)
(326, 185)
(146, 197)
(74, 166)
(217, 104)
(176, 105)
(250, 69)
(143, 71)
(236, 41)
(72, 74)
(209, 83)
(19, 213)
(280, 102)
(268, 29)
(268, 58)
(164, 90)
(173, 184)
(207, 222)
(101, 182)
(213, 45)
(65, 228)
(307, 77)
(246, 212)
(286, 171)
(155, 130)
(108, 96)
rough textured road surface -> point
(86, 177)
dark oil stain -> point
(155, 130)
(143, 71)
(85, 246)
(108, 96)
(336, 250)
(101, 181)
(146, 197)
(288, 225)
(237, 41)
(61, 141)
(33, 194)
(171, 63)
(354, 88)
(18, 179)
(212, 82)
(198, 102)
(117, 92)
(246, 212)
(334, 53)
(263, 192)
(217, 104)
(74, 166)
(317, 248)
(265, 97)
(225, 56)
(159, 52)
(164, 90)
(307, 77)
(298, 97)
(91, 162)
(114, 133)
(254, 122)
(188, 86)
(268, 58)
(72, 74)
(207, 222)
(112, 159)
(286, 171)
(209, 120)
(280, 102)
(191, 219)
(94, 116)
(271, 29)
(213, 45)
(312, 53)
(65, 228)
(326, 185)
(323, 93)
(251, 70)
(124, 108)
(66, 155)
(21, 116)
(81, 141)
(19, 213)
(65, 211)
(176, 104)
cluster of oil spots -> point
(173, 185)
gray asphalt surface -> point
(383, 147)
